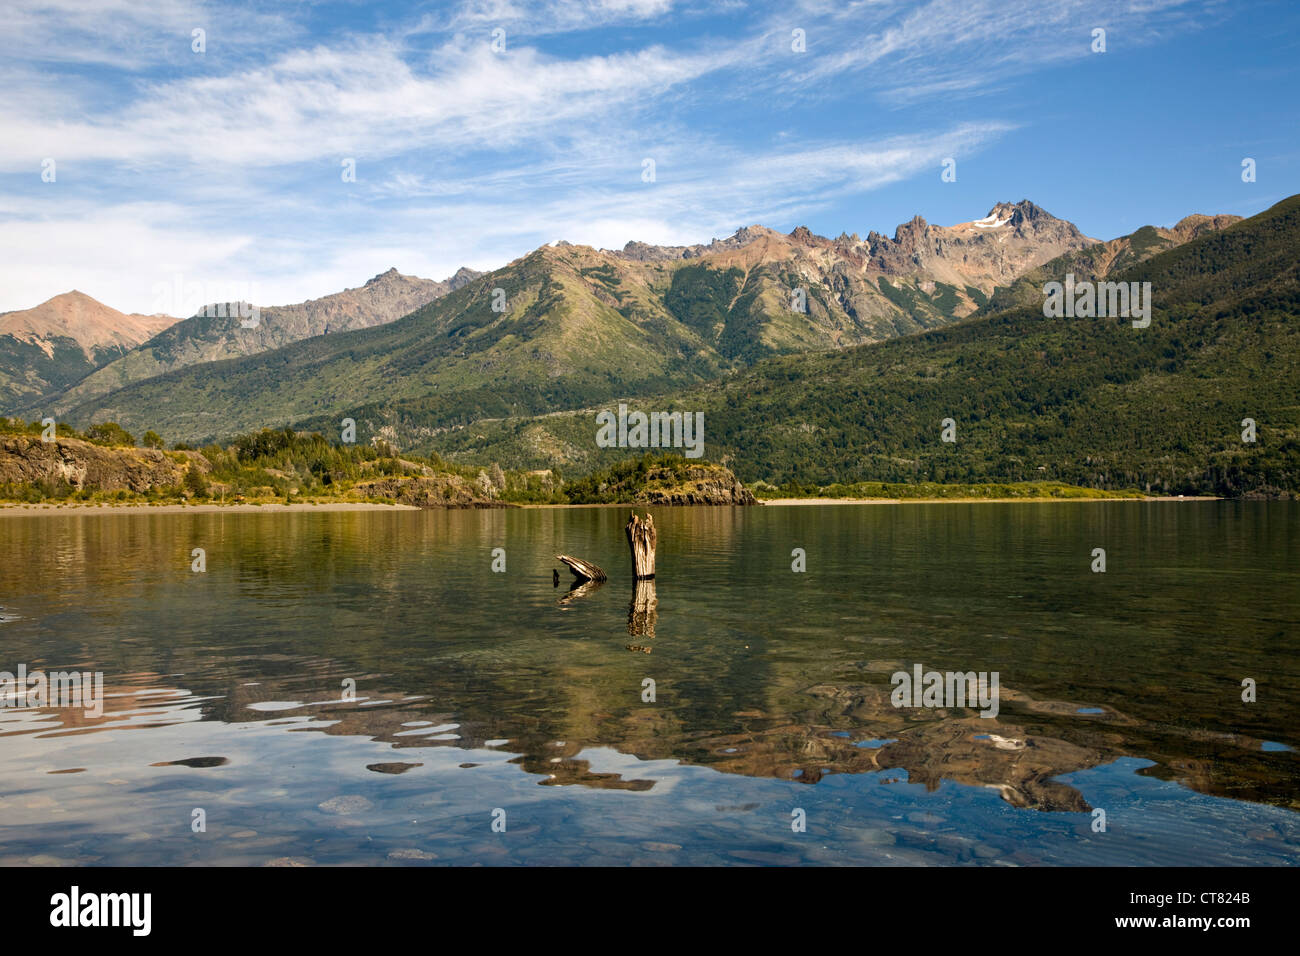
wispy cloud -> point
(542, 18)
(433, 225)
(131, 35)
(951, 47)
(228, 162)
(364, 100)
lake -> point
(364, 688)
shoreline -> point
(20, 508)
(958, 501)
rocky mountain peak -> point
(911, 230)
(1019, 212)
(1017, 215)
(463, 276)
(1027, 210)
(86, 321)
(1189, 227)
(392, 277)
(646, 252)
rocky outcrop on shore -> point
(663, 483)
(703, 485)
(436, 491)
(25, 459)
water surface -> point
(481, 692)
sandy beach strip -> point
(19, 509)
(963, 501)
(22, 510)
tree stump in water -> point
(641, 537)
(582, 570)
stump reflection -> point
(644, 609)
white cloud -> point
(543, 18)
(289, 249)
(130, 34)
(364, 101)
(112, 253)
(939, 48)
(230, 172)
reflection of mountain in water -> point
(445, 653)
(838, 729)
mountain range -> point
(54, 345)
(1205, 400)
(572, 327)
(568, 324)
(217, 331)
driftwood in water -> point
(643, 612)
(582, 570)
(641, 538)
(581, 589)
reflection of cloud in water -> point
(930, 746)
(1010, 755)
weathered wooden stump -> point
(582, 570)
(643, 612)
(641, 538)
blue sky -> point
(224, 167)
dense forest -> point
(1206, 399)
(1095, 402)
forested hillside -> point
(1090, 401)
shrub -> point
(109, 433)
(195, 483)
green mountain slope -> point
(218, 331)
(1105, 259)
(556, 344)
(46, 349)
(31, 371)
(580, 325)
(1090, 401)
